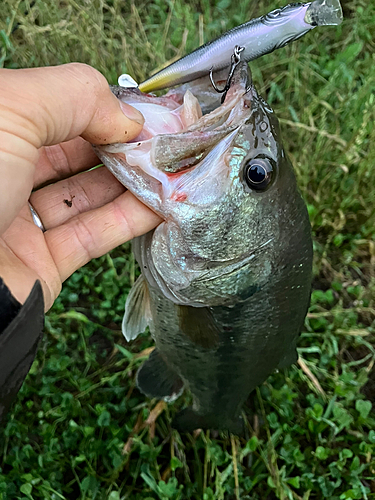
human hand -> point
(46, 117)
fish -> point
(257, 37)
(226, 277)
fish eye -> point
(258, 173)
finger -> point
(57, 203)
(63, 160)
(25, 257)
(58, 103)
(94, 233)
(46, 106)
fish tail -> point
(188, 420)
(324, 13)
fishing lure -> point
(257, 37)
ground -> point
(80, 428)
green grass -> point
(79, 430)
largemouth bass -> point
(226, 278)
(257, 37)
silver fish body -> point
(226, 277)
(258, 37)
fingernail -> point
(132, 113)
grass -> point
(80, 428)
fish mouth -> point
(186, 134)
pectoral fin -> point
(198, 324)
(137, 310)
(157, 380)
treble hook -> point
(234, 60)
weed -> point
(80, 428)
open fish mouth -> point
(181, 134)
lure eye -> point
(258, 173)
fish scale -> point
(253, 337)
(226, 278)
(248, 333)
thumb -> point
(45, 106)
(62, 102)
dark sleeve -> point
(21, 328)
